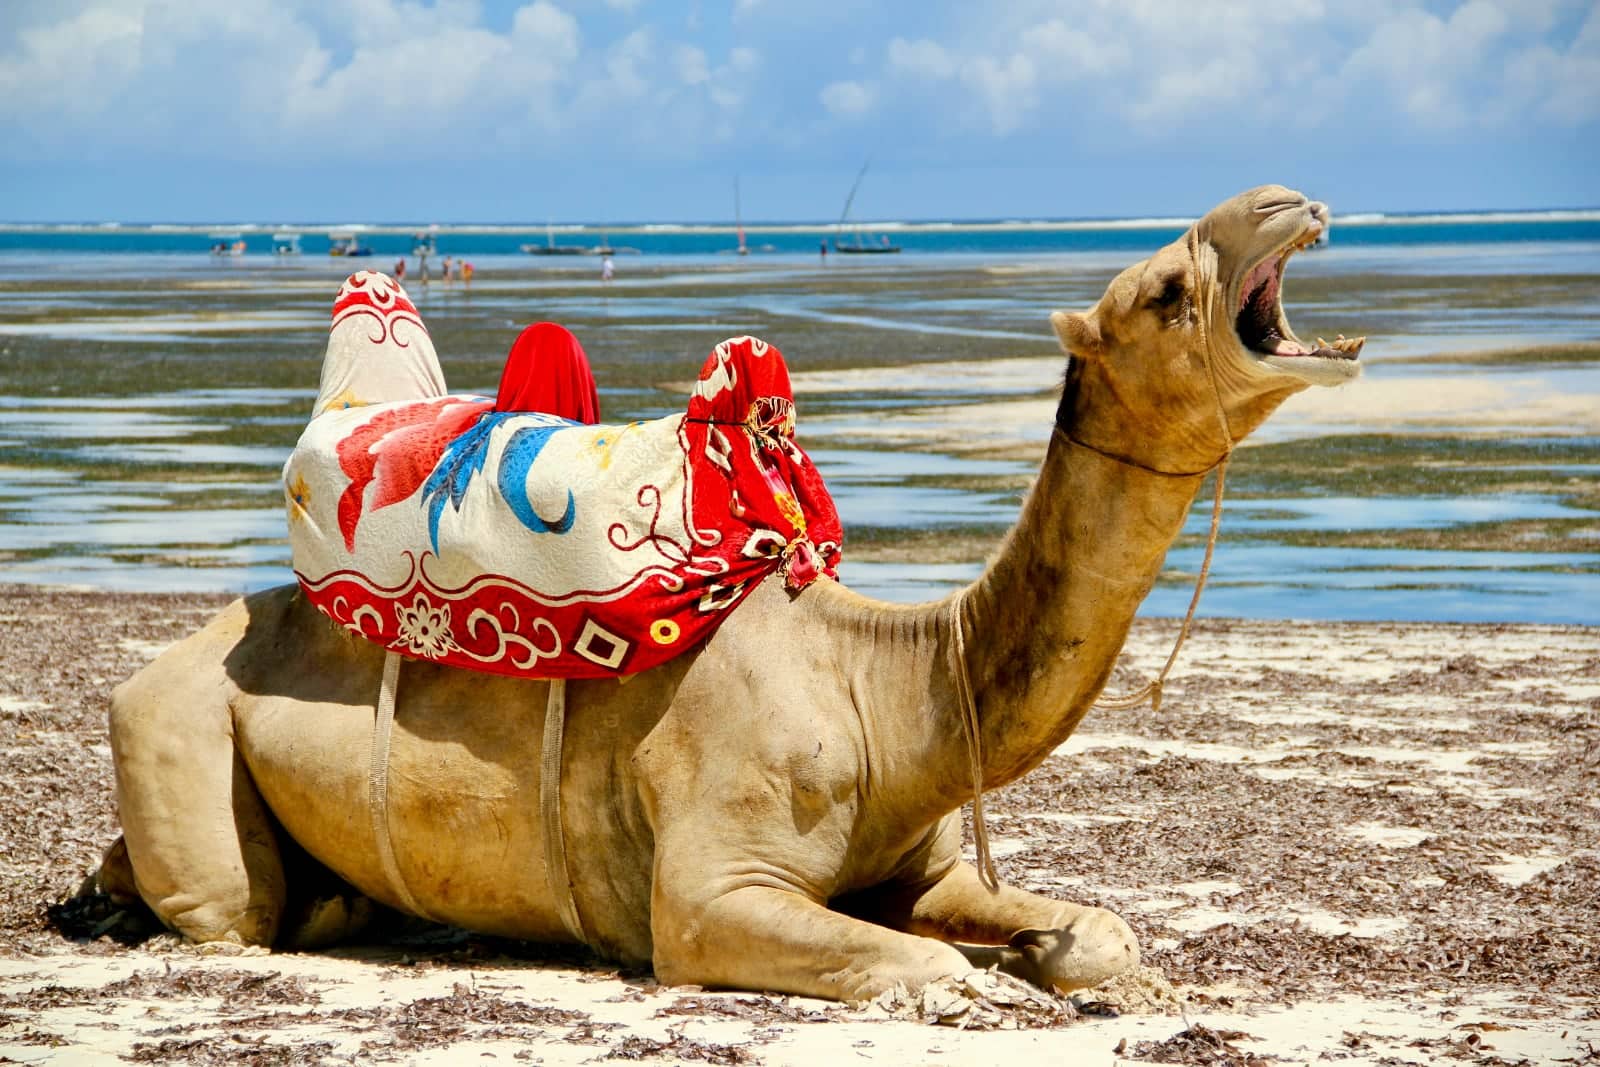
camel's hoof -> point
(1095, 946)
(328, 921)
(115, 876)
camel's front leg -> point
(1052, 943)
(710, 930)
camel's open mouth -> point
(1261, 324)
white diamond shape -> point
(593, 631)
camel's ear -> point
(1078, 333)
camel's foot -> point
(115, 876)
(1094, 946)
(325, 921)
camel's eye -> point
(1169, 300)
(1171, 293)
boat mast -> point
(845, 214)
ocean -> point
(1018, 237)
(150, 390)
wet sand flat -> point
(1370, 842)
(147, 404)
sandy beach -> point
(1374, 843)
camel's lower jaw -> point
(1314, 368)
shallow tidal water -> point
(147, 403)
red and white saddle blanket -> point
(528, 545)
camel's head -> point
(1198, 324)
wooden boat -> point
(550, 248)
(860, 247)
(346, 243)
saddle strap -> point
(378, 784)
(555, 849)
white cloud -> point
(847, 99)
(923, 58)
(1161, 65)
(1006, 86)
(101, 46)
(1070, 52)
(1572, 77)
(627, 67)
(261, 78)
(692, 66)
(1471, 68)
(548, 32)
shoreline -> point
(1376, 829)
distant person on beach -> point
(547, 371)
(607, 269)
(466, 273)
(400, 269)
(447, 268)
(824, 250)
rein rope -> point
(1151, 691)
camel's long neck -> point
(1045, 623)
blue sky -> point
(616, 110)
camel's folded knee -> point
(1094, 946)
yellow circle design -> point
(664, 631)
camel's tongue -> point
(1283, 346)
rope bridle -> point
(1151, 690)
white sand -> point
(1511, 1023)
(101, 1034)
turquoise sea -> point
(983, 237)
(150, 390)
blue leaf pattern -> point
(523, 448)
(463, 460)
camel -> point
(778, 809)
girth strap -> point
(555, 849)
(378, 784)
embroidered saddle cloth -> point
(525, 544)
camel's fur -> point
(778, 810)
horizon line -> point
(1353, 218)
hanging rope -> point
(969, 719)
(1151, 691)
(378, 785)
(555, 846)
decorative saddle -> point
(526, 544)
